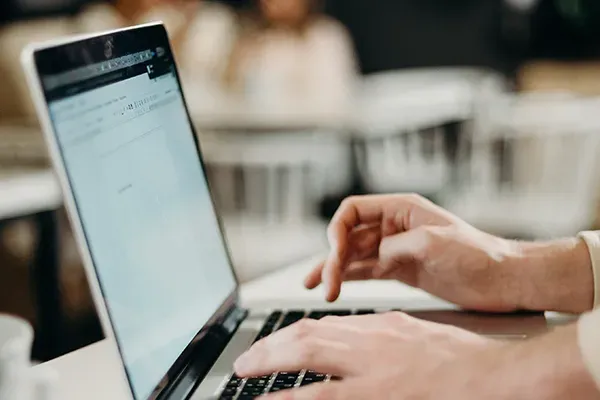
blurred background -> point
(488, 107)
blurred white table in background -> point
(28, 191)
(221, 112)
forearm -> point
(553, 276)
(547, 368)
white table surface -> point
(94, 373)
(28, 191)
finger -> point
(361, 270)
(364, 244)
(326, 390)
(308, 353)
(353, 211)
(406, 248)
(313, 279)
(369, 322)
(308, 344)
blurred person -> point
(289, 55)
(395, 356)
(199, 31)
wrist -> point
(547, 368)
(554, 367)
(552, 276)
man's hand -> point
(410, 239)
(394, 356)
(387, 356)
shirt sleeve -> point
(592, 239)
(589, 324)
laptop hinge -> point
(233, 319)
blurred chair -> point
(533, 166)
(15, 103)
(267, 187)
(401, 117)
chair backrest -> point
(279, 176)
(15, 103)
(401, 118)
(414, 161)
(549, 145)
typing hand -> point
(389, 355)
(410, 239)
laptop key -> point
(256, 384)
(290, 318)
(228, 393)
(317, 314)
(364, 312)
(251, 392)
(234, 381)
(339, 313)
(312, 377)
(287, 377)
(269, 326)
(284, 380)
(273, 318)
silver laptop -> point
(134, 183)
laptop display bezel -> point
(67, 55)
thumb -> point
(408, 248)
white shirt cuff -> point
(592, 239)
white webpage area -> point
(145, 207)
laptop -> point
(126, 154)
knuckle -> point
(325, 392)
(347, 204)
(259, 351)
(428, 231)
(303, 328)
(349, 201)
(413, 198)
(286, 395)
(397, 317)
(428, 236)
(261, 347)
(308, 350)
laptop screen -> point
(142, 196)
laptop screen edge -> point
(35, 84)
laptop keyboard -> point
(245, 389)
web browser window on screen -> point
(146, 211)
